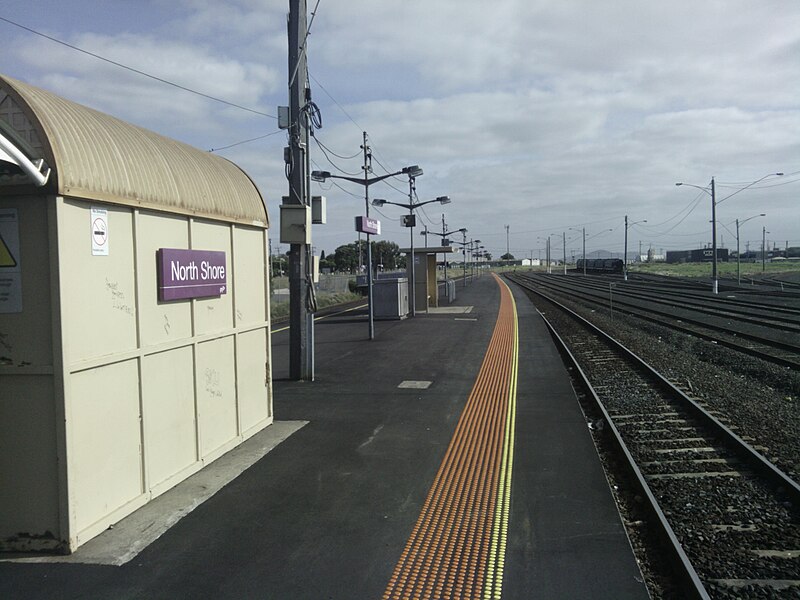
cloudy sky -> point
(539, 115)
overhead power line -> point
(137, 71)
(261, 137)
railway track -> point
(776, 348)
(729, 518)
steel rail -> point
(648, 316)
(774, 475)
(780, 316)
(691, 585)
(786, 325)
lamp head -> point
(413, 171)
(679, 183)
(378, 202)
(779, 174)
(320, 175)
(443, 199)
(463, 230)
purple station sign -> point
(190, 274)
(368, 225)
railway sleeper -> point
(699, 461)
(640, 416)
(708, 449)
(737, 527)
(652, 422)
(777, 553)
(774, 584)
(697, 475)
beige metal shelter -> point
(108, 395)
(425, 276)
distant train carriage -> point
(601, 265)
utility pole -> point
(625, 255)
(464, 257)
(548, 255)
(367, 170)
(738, 257)
(564, 241)
(444, 256)
(508, 247)
(714, 279)
(412, 190)
(301, 320)
(584, 250)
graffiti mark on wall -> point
(118, 300)
(212, 383)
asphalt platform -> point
(326, 513)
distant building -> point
(699, 255)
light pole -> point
(410, 221)
(473, 246)
(583, 231)
(463, 245)
(764, 233)
(445, 242)
(367, 181)
(714, 202)
(738, 253)
(539, 240)
(550, 253)
(547, 253)
(625, 255)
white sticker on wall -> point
(99, 218)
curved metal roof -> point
(99, 157)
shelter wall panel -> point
(255, 403)
(249, 276)
(214, 314)
(216, 394)
(104, 441)
(170, 433)
(28, 464)
(160, 321)
(26, 337)
(99, 312)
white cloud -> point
(541, 114)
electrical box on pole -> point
(295, 224)
(319, 210)
(284, 120)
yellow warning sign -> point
(6, 258)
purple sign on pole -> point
(368, 225)
(190, 274)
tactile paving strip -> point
(457, 547)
